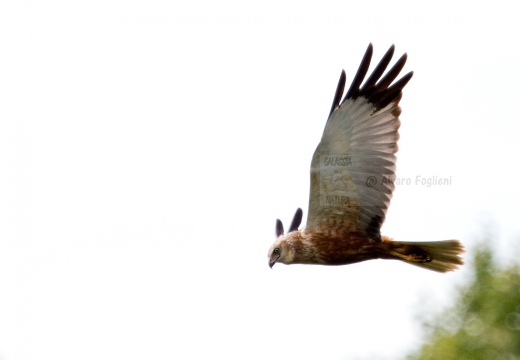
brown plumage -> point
(352, 174)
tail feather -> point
(440, 256)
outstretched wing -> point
(353, 167)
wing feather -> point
(360, 74)
(379, 70)
(339, 91)
(353, 167)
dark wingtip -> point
(353, 91)
(339, 91)
(370, 83)
(297, 220)
(392, 93)
(378, 89)
(279, 228)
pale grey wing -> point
(353, 167)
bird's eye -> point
(276, 251)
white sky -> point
(147, 147)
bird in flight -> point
(352, 172)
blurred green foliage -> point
(484, 323)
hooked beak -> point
(273, 261)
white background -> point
(146, 148)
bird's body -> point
(312, 247)
(352, 174)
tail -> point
(441, 256)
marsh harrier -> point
(352, 173)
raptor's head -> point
(282, 249)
